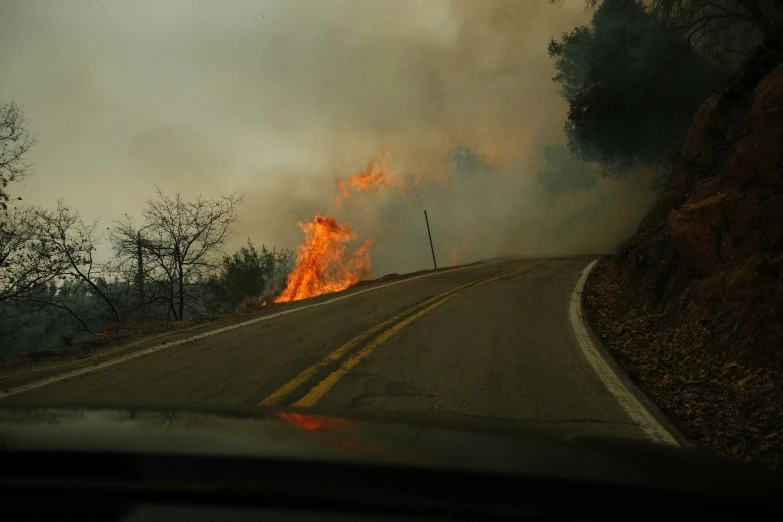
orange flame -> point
(375, 177)
(323, 264)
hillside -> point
(692, 304)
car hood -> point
(474, 445)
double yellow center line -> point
(382, 332)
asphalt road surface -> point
(491, 340)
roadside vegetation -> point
(63, 277)
(692, 304)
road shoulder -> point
(632, 400)
(716, 400)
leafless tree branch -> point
(15, 141)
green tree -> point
(247, 273)
(632, 84)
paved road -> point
(492, 340)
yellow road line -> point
(289, 387)
(320, 389)
(325, 385)
(425, 306)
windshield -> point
(558, 214)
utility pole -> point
(430, 235)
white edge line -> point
(111, 362)
(638, 413)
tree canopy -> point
(633, 84)
(245, 274)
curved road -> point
(489, 340)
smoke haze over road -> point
(280, 99)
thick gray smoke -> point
(279, 99)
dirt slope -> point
(692, 305)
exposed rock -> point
(731, 222)
(696, 230)
(705, 271)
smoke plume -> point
(281, 99)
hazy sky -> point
(276, 99)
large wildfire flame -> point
(323, 262)
(375, 177)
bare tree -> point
(27, 259)
(75, 243)
(728, 30)
(700, 17)
(135, 255)
(15, 141)
(46, 259)
(178, 246)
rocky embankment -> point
(692, 304)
